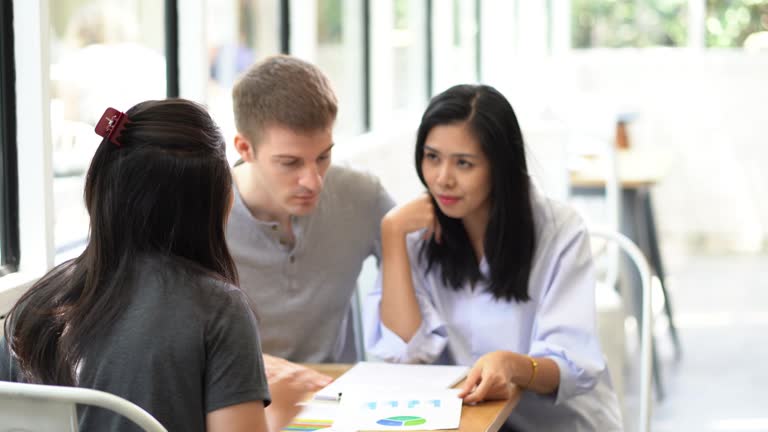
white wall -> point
(388, 154)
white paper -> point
(371, 376)
(400, 411)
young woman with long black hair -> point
(150, 311)
(486, 271)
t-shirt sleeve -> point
(234, 371)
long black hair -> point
(166, 189)
(509, 237)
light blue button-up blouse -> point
(458, 327)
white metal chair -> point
(646, 341)
(46, 408)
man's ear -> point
(244, 148)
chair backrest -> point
(46, 408)
(365, 282)
(646, 341)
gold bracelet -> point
(534, 366)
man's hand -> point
(286, 396)
(294, 375)
(289, 384)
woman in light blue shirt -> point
(485, 271)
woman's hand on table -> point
(489, 379)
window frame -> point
(34, 172)
(171, 48)
(479, 41)
(367, 59)
(430, 48)
(9, 215)
(285, 26)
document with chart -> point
(393, 377)
(398, 411)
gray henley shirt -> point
(302, 293)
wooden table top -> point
(483, 417)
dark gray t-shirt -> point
(185, 345)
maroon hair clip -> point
(111, 125)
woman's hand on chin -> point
(413, 216)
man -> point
(300, 228)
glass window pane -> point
(454, 39)
(340, 55)
(103, 53)
(629, 23)
(239, 32)
(737, 23)
(409, 84)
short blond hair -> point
(285, 91)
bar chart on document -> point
(402, 411)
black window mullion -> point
(285, 26)
(172, 48)
(9, 193)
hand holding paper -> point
(393, 377)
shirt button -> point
(292, 259)
(274, 227)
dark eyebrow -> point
(455, 155)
